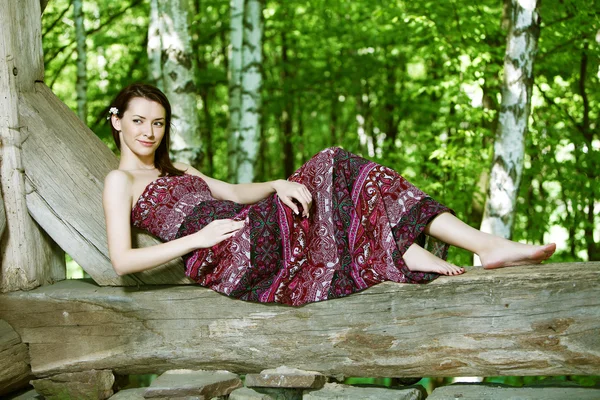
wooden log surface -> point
(65, 165)
(2, 214)
(530, 320)
(28, 257)
(14, 360)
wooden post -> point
(29, 257)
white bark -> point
(509, 147)
(235, 84)
(178, 79)
(81, 85)
(154, 46)
(251, 88)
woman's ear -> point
(116, 122)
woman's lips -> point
(147, 144)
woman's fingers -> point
(226, 226)
(291, 192)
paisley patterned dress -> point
(363, 218)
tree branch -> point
(53, 24)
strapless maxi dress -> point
(363, 218)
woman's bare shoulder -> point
(118, 178)
(184, 167)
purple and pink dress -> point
(363, 218)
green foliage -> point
(412, 85)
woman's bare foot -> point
(418, 259)
(506, 253)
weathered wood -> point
(535, 320)
(2, 214)
(14, 360)
(65, 197)
(29, 258)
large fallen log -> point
(14, 360)
(534, 320)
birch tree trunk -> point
(235, 84)
(178, 79)
(287, 112)
(251, 86)
(81, 85)
(154, 46)
(509, 146)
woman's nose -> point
(149, 131)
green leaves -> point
(412, 85)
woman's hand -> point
(216, 232)
(290, 191)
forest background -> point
(416, 86)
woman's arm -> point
(250, 193)
(116, 199)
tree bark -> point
(178, 80)
(509, 146)
(593, 248)
(29, 258)
(208, 130)
(235, 85)
(154, 47)
(81, 84)
(250, 126)
(529, 320)
(287, 112)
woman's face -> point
(142, 126)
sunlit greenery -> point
(413, 85)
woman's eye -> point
(158, 123)
(136, 121)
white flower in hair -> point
(112, 111)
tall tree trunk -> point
(178, 78)
(391, 123)
(251, 90)
(593, 248)
(333, 115)
(509, 146)
(154, 47)
(287, 110)
(208, 130)
(81, 85)
(235, 85)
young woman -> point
(338, 225)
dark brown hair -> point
(152, 93)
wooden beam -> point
(28, 256)
(65, 165)
(531, 320)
